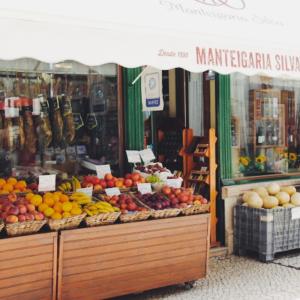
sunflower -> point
(261, 159)
(292, 156)
(244, 160)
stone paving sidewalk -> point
(238, 278)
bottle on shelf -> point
(275, 131)
(260, 135)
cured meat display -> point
(57, 121)
(69, 125)
(30, 131)
(45, 125)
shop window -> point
(57, 116)
(265, 125)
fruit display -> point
(100, 207)
(152, 168)
(171, 198)
(272, 196)
(13, 185)
(153, 179)
(57, 205)
(125, 202)
(70, 185)
(16, 209)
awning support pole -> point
(139, 76)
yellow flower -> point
(292, 156)
(244, 160)
(260, 159)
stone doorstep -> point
(218, 251)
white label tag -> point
(133, 156)
(88, 191)
(36, 106)
(295, 213)
(102, 170)
(147, 155)
(261, 139)
(175, 183)
(47, 183)
(112, 192)
(144, 188)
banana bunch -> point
(80, 198)
(75, 184)
(100, 207)
(65, 187)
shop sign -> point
(101, 170)
(147, 155)
(144, 188)
(112, 192)
(47, 183)
(152, 98)
(133, 156)
(88, 191)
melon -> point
(254, 201)
(289, 189)
(261, 191)
(248, 194)
(270, 202)
(295, 199)
(273, 188)
(283, 198)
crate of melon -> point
(131, 209)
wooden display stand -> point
(202, 148)
(28, 267)
(109, 261)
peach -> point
(39, 216)
(21, 218)
(22, 208)
(11, 219)
(30, 207)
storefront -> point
(73, 79)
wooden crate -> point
(28, 267)
(103, 262)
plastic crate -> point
(266, 231)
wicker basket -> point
(1, 225)
(195, 209)
(165, 213)
(102, 219)
(66, 223)
(22, 228)
(135, 216)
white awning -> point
(248, 36)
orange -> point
(56, 216)
(2, 182)
(76, 211)
(8, 187)
(48, 212)
(48, 195)
(49, 201)
(67, 206)
(42, 207)
(12, 180)
(63, 198)
(55, 197)
(57, 207)
(29, 196)
(57, 193)
(36, 200)
(21, 185)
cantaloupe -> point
(295, 199)
(261, 191)
(289, 189)
(273, 188)
(254, 201)
(270, 202)
(283, 197)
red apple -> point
(135, 176)
(128, 176)
(30, 207)
(128, 182)
(103, 183)
(13, 211)
(110, 183)
(108, 177)
(22, 208)
(177, 191)
(132, 206)
(39, 216)
(166, 190)
(21, 218)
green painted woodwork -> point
(134, 122)
(224, 127)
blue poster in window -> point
(152, 90)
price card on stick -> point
(102, 170)
(175, 183)
(144, 188)
(88, 191)
(47, 183)
(112, 192)
(133, 156)
(147, 155)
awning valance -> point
(248, 36)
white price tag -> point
(133, 156)
(102, 170)
(144, 188)
(47, 183)
(295, 213)
(147, 155)
(175, 183)
(36, 106)
(112, 192)
(88, 191)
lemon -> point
(36, 200)
(56, 216)
(48, 212)
(49, 201)
(67, 206)
(66, 215)
(76, 211)
(42, 207)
